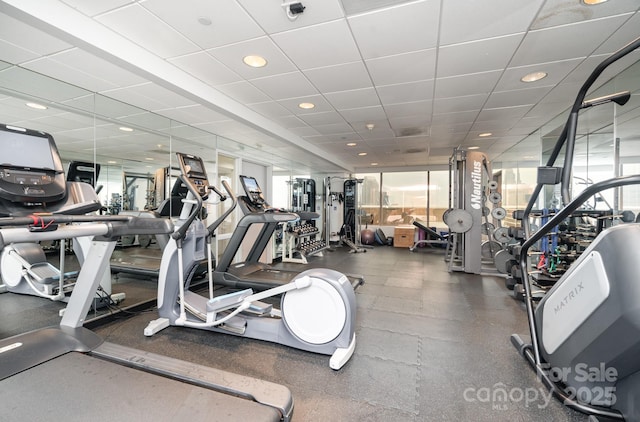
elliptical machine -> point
(317, 308)
(585, 332)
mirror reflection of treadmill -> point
(141, 256)
(251, 273)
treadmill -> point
(250, 273)
(68, 370)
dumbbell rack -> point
(299, 242)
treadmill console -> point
(31, 170)
(253, 191)
(192, 168)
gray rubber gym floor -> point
(431, 346)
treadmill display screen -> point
(250, 185)
(24, 150)
(192, 166)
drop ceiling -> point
(405, 81)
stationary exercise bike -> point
(585, 332)
(317, 308)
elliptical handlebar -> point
(234, 201)
(182, 230)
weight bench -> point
(436, 238)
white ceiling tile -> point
(477, 56)
(232, 55)
(147, 96)
(319, 102)
(505, 114)
(243, 92)
(401, 29)
(38, 86)
(338, 137)
(467, 20)
(363, 114)
(15, 54)
(343, 77)
(624, 35)
(458, 86)
(334, 129)
(417, 108)
(271, 109)
(561, 12)
(322, 119)
(28, 38)
(556, 72)
(517, 97)
(351, 99)
(286, 85)
(408, 92)
(456, 118)
(466, 103)
(86, 70)
(403, 68)
(193, 114)
(230, 23)
(146, 30)
(92, 8)
(206, 68)
(330, 42)
(578, 40)
(272, 16)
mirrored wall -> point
(607, 145)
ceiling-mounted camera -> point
(293, 9)
(296, 8)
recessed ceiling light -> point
(485, 134)
(112, 162)
(593, 2)
(149, 158)
(306, 106)
(351, 144)
(203, 20)
(473, 148)
(37, 106)
(362, 154)
(125, 129)
(255, 61)
(374, 164)
(534, 76)
(370, 126)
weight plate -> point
(486, 211)
(487, 228)
(144, 240)
(127, 239)
(493, 185)
(501, 234)
(501, 259)
(495, 197)
(489, 249)
(459, 221)
(627, 216)
(498, 213)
